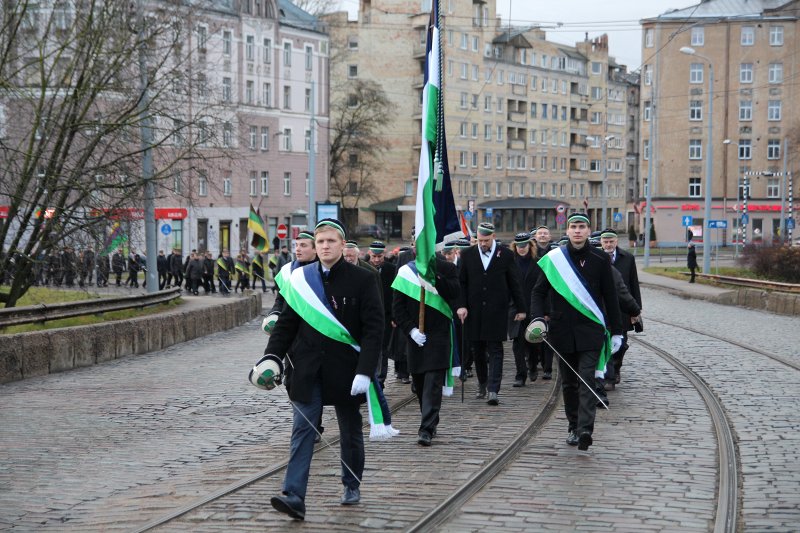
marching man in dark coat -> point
(489, 281)
(430, 354)
(332, 327)
(577, 283)
(529, 273)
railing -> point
(42, 313)
(793, 288)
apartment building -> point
(534, 128)
(750, 45)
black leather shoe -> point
(424, 439)
(493, 399)
(481, 392)
(519, 383)
(572, 438)
(584, 441)
(290, 504)
(547, 375)
(532, 376)
(351, 496)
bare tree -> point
(358, 119)
(317, 7)
(72, 101)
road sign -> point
(166, 229)
(489, 212)
(468, 215)
(789, 223)
(561, 218)
(561, 208)
(282, 232)
(745, 218)
(617, 217)
(687, 220)
(719, 224)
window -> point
(499, 133)
(533, 109)
(227, 187)
(776, 72)
(264, 183)
(596, 117)
(309, 56)
(486, 187)
(745, 110)
(264, 138)
(253, 137)
(649, 40)
(462, 159)
(253, 183)
(694, 187)
(500, 105)
(202, 183)
(352, 71)
(499, 161)
(226, 90)
(748, 36)
(474, 130)
(487, 103)
(695, 149)
(698, 36)
(696, 73)
(474, 162)
(287, 183)
(597, 68)
(647, 111)
(776, 35)
(463, 130)
(287, 97)
(287, 139)
(695, 110)
(773, 149)
(307, 143)
(202, 38)
(646, 149)
(746, 73)
(227, 134)
(287, 54)
(267, 94)
(464, 100)
(475, 43)
(249, 89)
(597, 93)
(773, 188)
(554, 112)
(408, 188)
(648, 75)
(774, 110)
(544, 110)
(250, 48)
(266, 51)
(487, 132)
(745, 149)
(226, 43)
(487, 160)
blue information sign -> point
(617, 217)
(489, 212)
(718, 224)
(686, 220)
(468, 215)
(745, 218)
(166, 229)
(789, 223)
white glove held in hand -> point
(269, 322)
(536, 330)
(418, 337)
(360, 384)
(616, 343)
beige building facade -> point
(751, 47)
(534, 128)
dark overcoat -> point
(527, 281)
(435, 353)
(352, 293)
(486, 293)
(625, 263)
(569, 330)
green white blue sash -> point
(409, 282)
(568, 282)
(303, 290)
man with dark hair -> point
(208, 273)
(332, 327)
(176, 267)
(577, 284)
(161, 267)
(387, 272)
(118, 265)
(489, 280)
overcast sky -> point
(618, 18)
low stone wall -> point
(25, 355)
(781, 303)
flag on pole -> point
(115, 239)
(465, 227)
(256, 224)
(436, 217)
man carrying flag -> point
(332, 327)
(224, 271)
(575, 304)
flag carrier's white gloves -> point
(418, 337)
(360, 384)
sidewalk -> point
(679, 287)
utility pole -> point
(312, 157)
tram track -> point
(728, 488)
(448, 504)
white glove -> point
(418, 337)
(360, 384)
(269, 322)
(536, 330)
(616, 343)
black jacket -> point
(194, 270)
(528, 279)
(486, 294)
(691, 258)
(353, 295)
(625, 264)
(435, 353)
(176, 264)
(161, 264)
(569, 330)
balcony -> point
(516, 144)
(419, 51)
(518, 117)
(578, 148)
(419, 81)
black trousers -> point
(541, 353)
(208, 284)
(523, 351)
(428, 387)
(612, 369)
(162, 280)
(579, 402)
(489, 363)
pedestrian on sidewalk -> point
(691, 261)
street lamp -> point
(603, 192)
(709, 159)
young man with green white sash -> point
(576, 306)
(332, 326)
